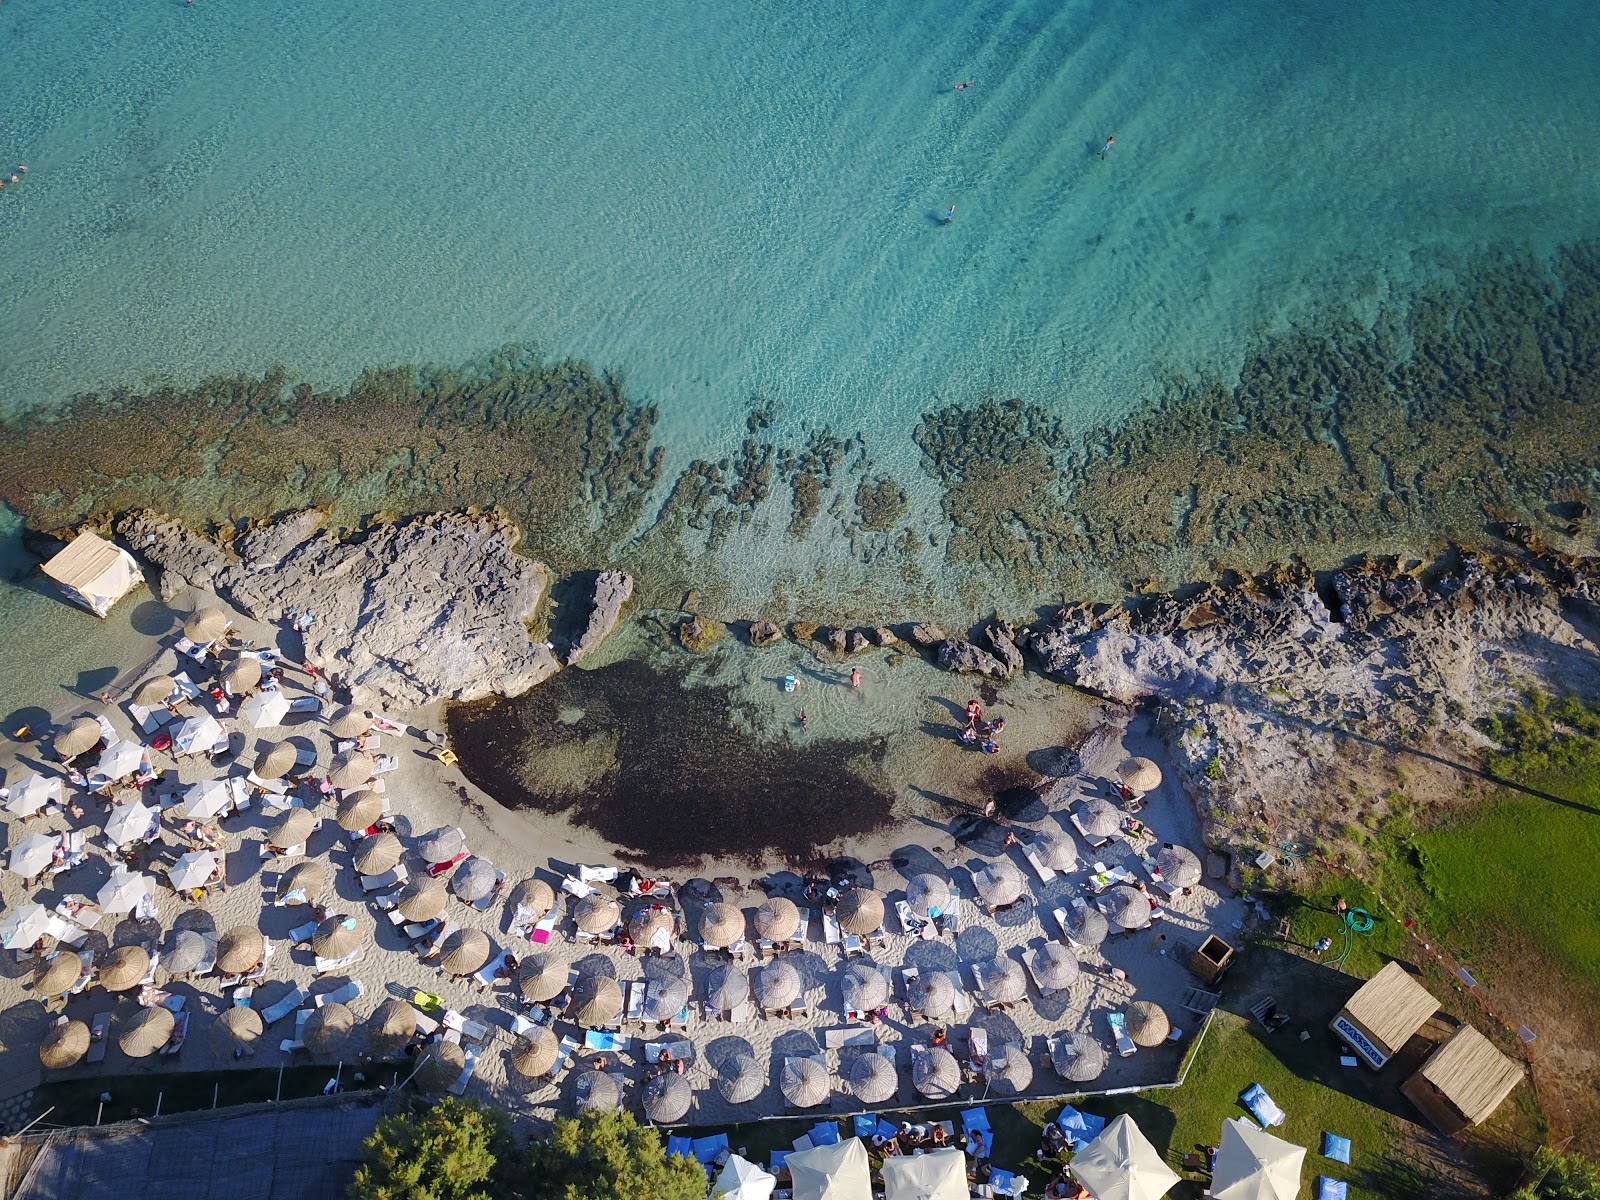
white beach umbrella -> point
(192, 870)
(120, 760)
(24, 925)
(1121, 1164)
(32, 794)
(1252, 1164)
(742, 1179)
(197, 735)
(123, 892)
(132, 822)
(204, 800)
(33, 853)
(265, 709)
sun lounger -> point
(544, 928)
(180, 1033)
(465, 1078)
(290, 1045)
(950, 920)
(605, 1039)
(99, 1026)
(911, 924)
(848, 1035)
(350, 991)
(1119, 1031)
(437, 869)
(830, 929)
(1045, 874)
(485, 977)
(327, 965)
(464, 1027)
(1335, 1147)
(305, 704)
(284, 855)
(298, 896)
(563, 1056)
(301, 934)
(292, 1000)
(443, 928)
(417, 930)
(1104, 877)
(376, 883)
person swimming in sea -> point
(960, 87)
(951, 215)
(1110, 142)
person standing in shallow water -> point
(855, 678)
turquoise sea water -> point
(727, 199)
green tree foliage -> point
(442, 1151)
(1560, 1177)
(607, 1156)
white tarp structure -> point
(741, 1179)
(936, 1175)
(1121, 1164)
(837, 1172)
(94, 572)
(1252, 1164)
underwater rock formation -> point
(612, 590)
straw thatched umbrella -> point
(1100, 818)
(932, 994)
(442, 845)
(1078, 1058)
(872, 1078)
(378, 853)
(1147, 1023)
(935, 1073)
(1129, 907)
(327, 1028)
(352, 770)
(391, 1025)
(442, 1064)
(1139, 775)
(154, 691)
(803, 1082)
(596, 1000)
(146, 1031)
(541, 977)
(310, 877)
(464, 951)
(205, 624)
(188, 950)
(337, 936)
(926, 893)
(421, 900)
(349, 722)
(1179, 866)
(777, 919)
(999, 883)
(1086, 926)
(78, 738)
(57, 975)
(276, 759)
(727, 988)
(124, 967)
(236, 1027)
(535, 1052)
(293, 828)
(666, 1098)
(1008, 1071)
(860, 911)
(1056, 850)
(863, 987)
(473, 879)
(777, 985)
(64, 1044)
(740, 1079)
(535, 895)
(360, 810)
(596, 1091)
(595, 914)
(1001, 980)
(240, 949)
(647, 923)
(243, 674)
(1055, 967)
(721, 924)
(666, 997)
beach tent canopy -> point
(94, 572)
(1381, 1017)
(1463, 1081)
(836, 1172)
(936, 1175)
(1121, 1164)
(1252, 1164)
(742, 1179)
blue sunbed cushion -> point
(887, 1129)
(1262, 1106)
(1336, 1147)
(680, 1146)
(974, 1118)
(1331, 1189)
(706, 1149)
(1000, 1181)
(825, 1133)
(1079, 1126)
(865, 1124)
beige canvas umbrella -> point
(276, 759)
(740, 1079)
(863, 987)
(421, 900)
(154, 691)
(721, 924)
(595, 914)
(777, 985)
(391, 1025)
(378, 853)
(310, 877)
(1147, 1023)
(78, 738)
(327, 1029)
(647, 923)
(860, 911)
(1056, 850)
(205, 625)
(932, 994)
(535, 1052)
(596, 1001)
(872, 1078)
(64, 1044)
(927, 894)
(777, 919)
(999, 883)
(240, 949)
(464, 951)
(124, 967)
(1253, 1164)
(665, 998)
(243, 675)
(58, 974)
(146, 1031)
(338, 936)
(596, 1091)
(535, 895)
(33, 854)
(442, 1064)
(293, 828)
(1179, 866)
(1086, 926)
(1008, 1071)
(935, 1073)
(23, 925)
(1078, 1058)
(666, 1098)
(1129, 907)
(352, 770)
(541, 977)
(1001, 980)
(727, 988)
(360, 810)
(1121, 1164)
(1139, 775)
(1100, 818)
(803, 1082)
(265, 709)
(1055, 967)
(236, 1027)
(349, 722)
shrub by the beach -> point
(1560, 1177)
(608, 1156)
(447, 1150)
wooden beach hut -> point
(1462, 1082)
(1383, 1015)
(94, 572)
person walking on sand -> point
(855, 678)
(1110, 142)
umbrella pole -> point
(279, 1095)
(159, 1097)
(214, 1088)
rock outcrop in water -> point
(966, 659)
(612, 590)
(431, 608)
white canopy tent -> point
(836, 1172)
(94, 572)
(742, 1179)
